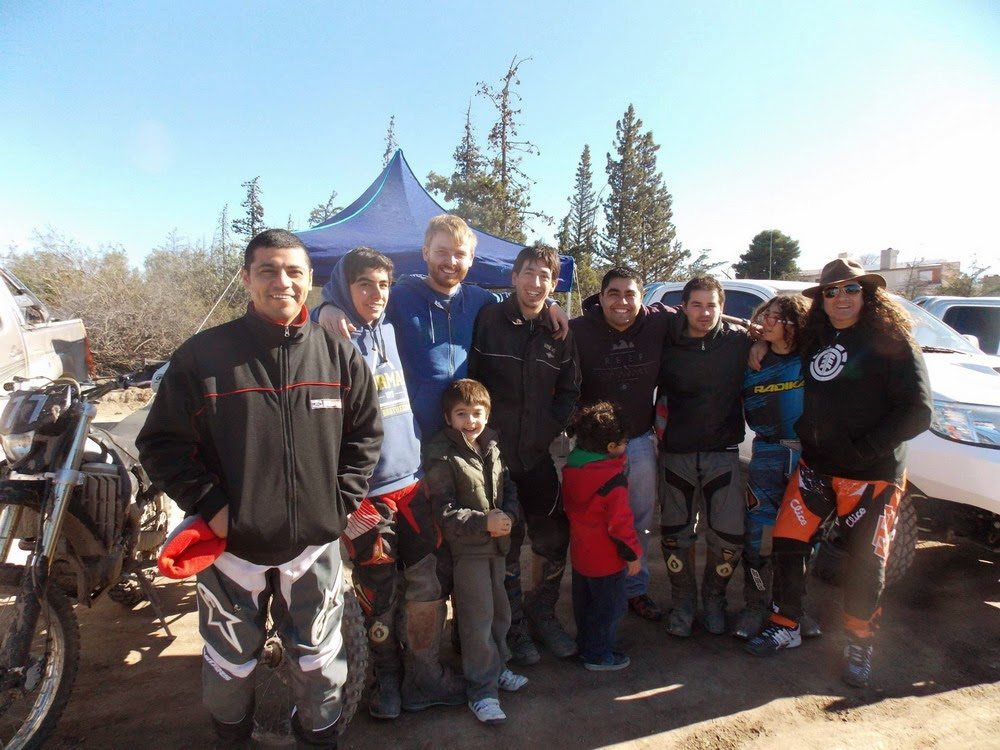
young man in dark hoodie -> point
(620, 343)
(268, 428)
(384, 529)
(534, 383)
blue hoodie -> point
(399, 464)
(435, 336)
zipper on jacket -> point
(451, 345)
(287, 441)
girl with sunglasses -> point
(866, 394)
(772, 402)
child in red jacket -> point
(603, 544)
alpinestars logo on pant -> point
(219, 618)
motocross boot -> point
(317, 739)
(383, 645)
(683, 591)
(713, 592)
(756, 600)
(236, 736)
(523, 651)
(426, 682)
(540, 605)
(810, 626)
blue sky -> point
(849, 126)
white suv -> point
(958, 458)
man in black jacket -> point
(701, 378)
(269, 428)
(534, 383)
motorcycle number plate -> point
(30, 410)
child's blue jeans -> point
(598, 606)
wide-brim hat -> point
(843, 269)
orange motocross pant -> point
(867, 514)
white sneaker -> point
(488, 711)
(512, 682)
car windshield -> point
(930, 332)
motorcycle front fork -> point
(16, 647)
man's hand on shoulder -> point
(757, 352)
(335, 321)
(560, 323)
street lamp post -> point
(770, 247)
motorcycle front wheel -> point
(28, 714)
(272, 725)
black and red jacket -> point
(533, 379)
(280, 423)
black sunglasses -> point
(832, 291)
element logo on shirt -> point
(828, 363)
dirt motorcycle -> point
(78, 518)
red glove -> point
(191, 548)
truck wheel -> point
(904, 544)
(829, 554)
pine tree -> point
(512, 183)
(639, 209)
(390, 142)
(771, 255)
(578, 235)
(471, 189)
(324, 211)
(253, 223)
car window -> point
(981, 322)
(741, 304)
(673, 299)
(929, 331)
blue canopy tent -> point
(391, 216)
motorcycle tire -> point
(28, 717)
(830, 557)
(273, 697)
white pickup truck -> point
(31, 342)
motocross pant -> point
(867, 512)
(427, 562)
(770, 468)
(547, 527)
(372, 541)
(696, 481)
(306, 603)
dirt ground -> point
(936, 684)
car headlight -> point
(17, 445)
(967, 423)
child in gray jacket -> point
(475, 505)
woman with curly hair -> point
(772, 402)
(866, 394)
